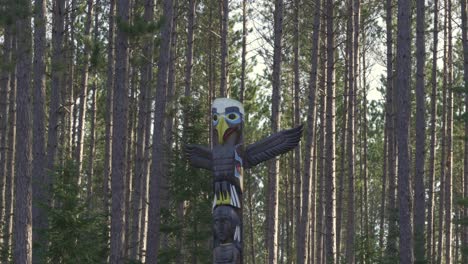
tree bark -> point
(449, 161)
(23, 200)
(223, 89)
(273, 177)
(391, 248)
(244, 50)
(4, 103)
(158, 178)
(419, 190)
(40, 186)
(432, 152)
(84, 90)
(119, 132)
(301, 226)
(189, 51)
(330, 210)
(403, 115)
(465, 170)
(10, 161)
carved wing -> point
(272, 146)
(198, 156)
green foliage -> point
(77, 233)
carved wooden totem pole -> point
(226, 159)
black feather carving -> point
(272, 146)
(199, 156)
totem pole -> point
(226, 159)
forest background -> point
(98, 98)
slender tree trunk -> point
(119, 133)
(403, 115)
(10, 167)
(391, 248)
(170, 116)
(140, 161)
(430, 257)
(4, 97)
(158, 178)
(443, 152)
(244, 49)
(465, 170)
(223, 89)
(449, 161)
(109, 107)
(301, 226)
(92, 146)
(84, 90)
(273, 177)
(321, 165)
(330, 210)
(40, 186)
(384, 187)
(189, 51)
(301, 246)
(419, 191)
(22, 209)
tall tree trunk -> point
(84, 90)
(330, 210)
(4, 97)
(403, 114)
(40, 187)
(432, 152)
(273, 177)
(170, 116)
(119, 133)
(92, 146)
(321, 164)
(391, 248)
(443, 151)
(301, 226)
(301, 247)
(22, 209)
(244, 50)
(384, 186)
(449, 161)
(223, 89)
(140, 161)
(465, 170)
(10, 161)
(350, 228)
(189, 51)
(419, 190)
(158, 179)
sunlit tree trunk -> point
(449, 161)
(330, 210)
(465, 170)
(301, 226)
(4, 97)
(443, 151)
(273, 171)
(22, 248)
(84, 89)
(432, 150)
(10, 161)
(40, 187)
(297, 152)
(244, 50)
(109, 106)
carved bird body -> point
(228, 157)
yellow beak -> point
(221, 128)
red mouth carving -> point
(228, 133)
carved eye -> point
(233, 116)
(215, 117)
